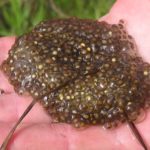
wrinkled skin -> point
(36, 131)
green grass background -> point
(19, 16)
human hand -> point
(37, 132)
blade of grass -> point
(39, 15)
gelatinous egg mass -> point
(83, 72)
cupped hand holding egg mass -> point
(120, 80)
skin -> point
(37, 132)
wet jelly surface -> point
(83, 72)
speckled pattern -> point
(83, 71)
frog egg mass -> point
(83, 72)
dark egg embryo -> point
(83, 72)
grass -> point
(19, 16)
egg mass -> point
(83, 72)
